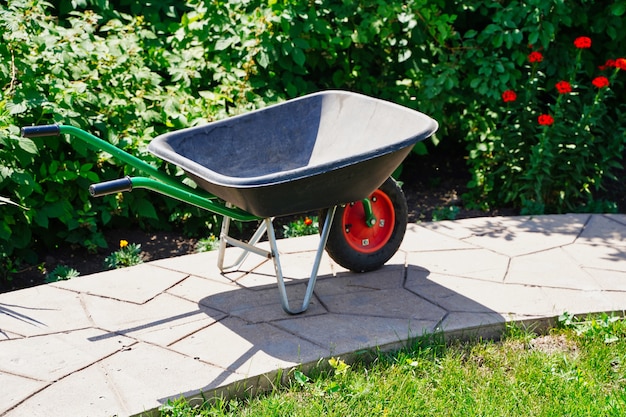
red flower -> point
(545, 120)
(621, 63)
(308, 221)
(600, 82)
(582, 42)
(508, 96)
(563, 87)
(535, 57)
(610, 63)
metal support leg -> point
(247, 247)
(316, 263)
(267, 227)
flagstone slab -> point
(255, 305)
(202, 264)
(260, 304)
(420, 238)
(136, 284)
(58, 355)
(439, 290)
(616, 217)
(470, 263)
(6, 335)
(395, 303)
(584, 302)
(485, 296)
(41, 310)
(506, 228)
(128, 382)
(549, 225)
(518, 243)
(471, 324)
(195, 288)
(465, 228)
(162, 320)
(608, 257)
(247, 349)
(605, 230)
(388, 277)
(340, 334)
(16, 388)
(553, 268)
(608, 280)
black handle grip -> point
(38, 131)
(111, 187)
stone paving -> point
(124, 342)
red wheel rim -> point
(358, 234)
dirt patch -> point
(554, 344)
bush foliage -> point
(127, 72)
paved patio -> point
(123, 342)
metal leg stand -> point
(267, 226)
(247, 247)
(316, 264)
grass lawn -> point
(578, 369)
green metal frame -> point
(164, 183)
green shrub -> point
(556, 142)
(95, 75)
(513, 160)
(130, 73)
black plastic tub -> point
(304, 154)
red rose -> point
(600, 82)
(582, 42)
(545, 120)
(508, 96)
(535, 57)
(308, 221)
(621, 63)
(563, 87)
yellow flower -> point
(123, 243)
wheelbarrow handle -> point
(111, 187)
(39, 131)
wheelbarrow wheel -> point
(359, 247)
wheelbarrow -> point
(332, 151)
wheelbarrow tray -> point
(309, 153)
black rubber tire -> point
(346, 255)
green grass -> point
(578, 369)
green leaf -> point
(56, 209)
(262, 59)
(298, 56)
(5, 230)
(618, 8)
(222, 44)
(27, 145)
(420, 149)
(16, 108)
(41, 219)
(145, 208)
